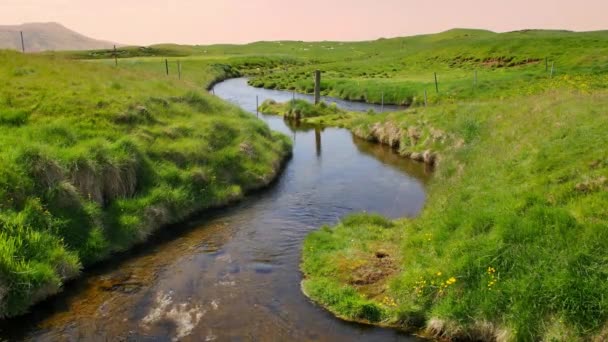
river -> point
(233, 274)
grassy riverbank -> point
(510, 247)
(301, 110)
(95, 159)
(511, 244)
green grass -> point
(402, 69)
(511, 242)
(510, 246)
(300, 109)
(335, 255)
(96, 158)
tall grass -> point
(510, 246)
(96, 158)
(511, 243)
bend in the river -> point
(233, 274)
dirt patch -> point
(602, 336)
(381, 255)
(387, 133)
(496, 62)
(247, 149)
(447, 330)
(372, 274)
(500, 62)
(414, 135)
(438, 135)
(592, 185)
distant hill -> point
(47, 37)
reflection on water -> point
(318, 140)
(390, 158)
(233, 274)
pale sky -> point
(238, 21)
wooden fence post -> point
(552, 68)
(22, 42)
(179, 69)
(317, 86)
(436, 84)
(167, 66)
(115, 57)
(475, 82)
(318, 140)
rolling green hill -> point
(402, 69)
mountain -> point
(47, 36)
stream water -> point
(233, 274)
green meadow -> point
(511, 245)
(96, 158)
(470, 65)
